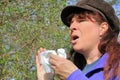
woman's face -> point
(85, 34)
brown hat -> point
(105, 9)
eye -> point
(81, 20)
(71, 22)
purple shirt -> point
(95, 73)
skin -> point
(40, 71)
(89, 34)
(58, 64)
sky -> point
(117, 8)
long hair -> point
(107, 44)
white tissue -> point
(61, 52)
(44, 58)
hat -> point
(100, 6)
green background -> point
(26, 25)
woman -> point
(94, 30)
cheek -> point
(92, 33)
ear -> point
(103, 28)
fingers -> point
(38, 56)
(40, 69)
(37, 61)
(41, 50)
(55, 59)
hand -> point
(40, 70)
(63, 67)
(41, 74)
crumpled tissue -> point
(44, 58)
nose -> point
(73, 26)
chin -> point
(76, 48)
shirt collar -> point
(102, 61)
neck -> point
(92, 56)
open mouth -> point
(75, 37)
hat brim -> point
(72, 9)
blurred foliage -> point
(26, 25)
